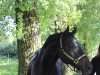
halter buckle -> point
(76, 61)
(62, 50)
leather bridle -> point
(75, 60)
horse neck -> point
(50, 57)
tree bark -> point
(30, 40)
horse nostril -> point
(90, 67)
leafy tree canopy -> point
(83, 13)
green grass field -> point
(8, 66)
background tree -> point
(28, 28)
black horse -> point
(96, 62)
(62, 46)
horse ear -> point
(74, 30)
(99, 47)
(67, 30)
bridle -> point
(75, 60)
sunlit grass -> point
(8, 66)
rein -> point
(75, 60)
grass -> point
(8, 66)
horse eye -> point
(71, 46)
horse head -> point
(72, 53)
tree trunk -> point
(30, 40)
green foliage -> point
(63, 12)
(19, 26)
(88, 27)
(85, 14)
(6, 7)
(25, 16)
(25, 5)
(6, 13)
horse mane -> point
(53, 37)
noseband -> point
(75, 60)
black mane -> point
(53, 37)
